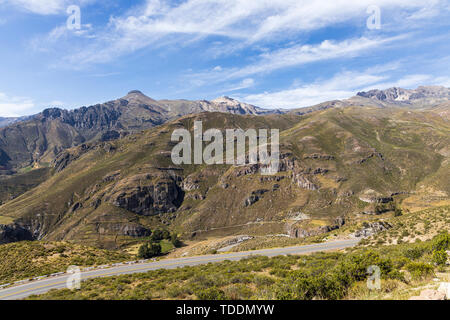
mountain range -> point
(103, 175)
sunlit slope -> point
(337, 165)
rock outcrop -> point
(147, 195)
(13, 233)
(373, 228)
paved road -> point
(59, 282)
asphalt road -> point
(59, 282)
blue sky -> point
(274, 54)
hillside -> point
(36, 141)
(405, 272)
(339, 166)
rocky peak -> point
(396, 94)
(136, 96)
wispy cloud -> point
(15, 106)
(45, 7)
(295, 56)
(342, 85)
(158, 23)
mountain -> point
(37, 141)
(338, 166)
(4, 122)
(423, 96)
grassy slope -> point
(321, 275)
(26, 259)
(412, 145)
(13, 186)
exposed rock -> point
(371, 196)
(125, 229)
(13, 233)
(259, 192)
(147, 195)
(296, 232)
(110, 135)
(250, 200)
(190, 184)
(245, 170)
(303, 182)
(373, 228)
(271, 178)
(63, 159)
(317, 156)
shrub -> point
(439, 257)
(397, 212)
(212, 293)
(420, 270)
(441, 241)
(414, 253)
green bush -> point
(414, 253)
(212, 293)
(441, 241)
(420, 270)
(439, 257)
(397, 212)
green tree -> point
(175, 240)
(147, 251)
(159, 235)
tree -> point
(175, 240)
(147, 251)
(144, 251)
(159, 235)
(155, 249)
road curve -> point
(41, 286)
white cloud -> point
(298, 55)
(341, 86)
(45, 7)
(157, 23)
(15, 106)
(244, 84)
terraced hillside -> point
(338, 166)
